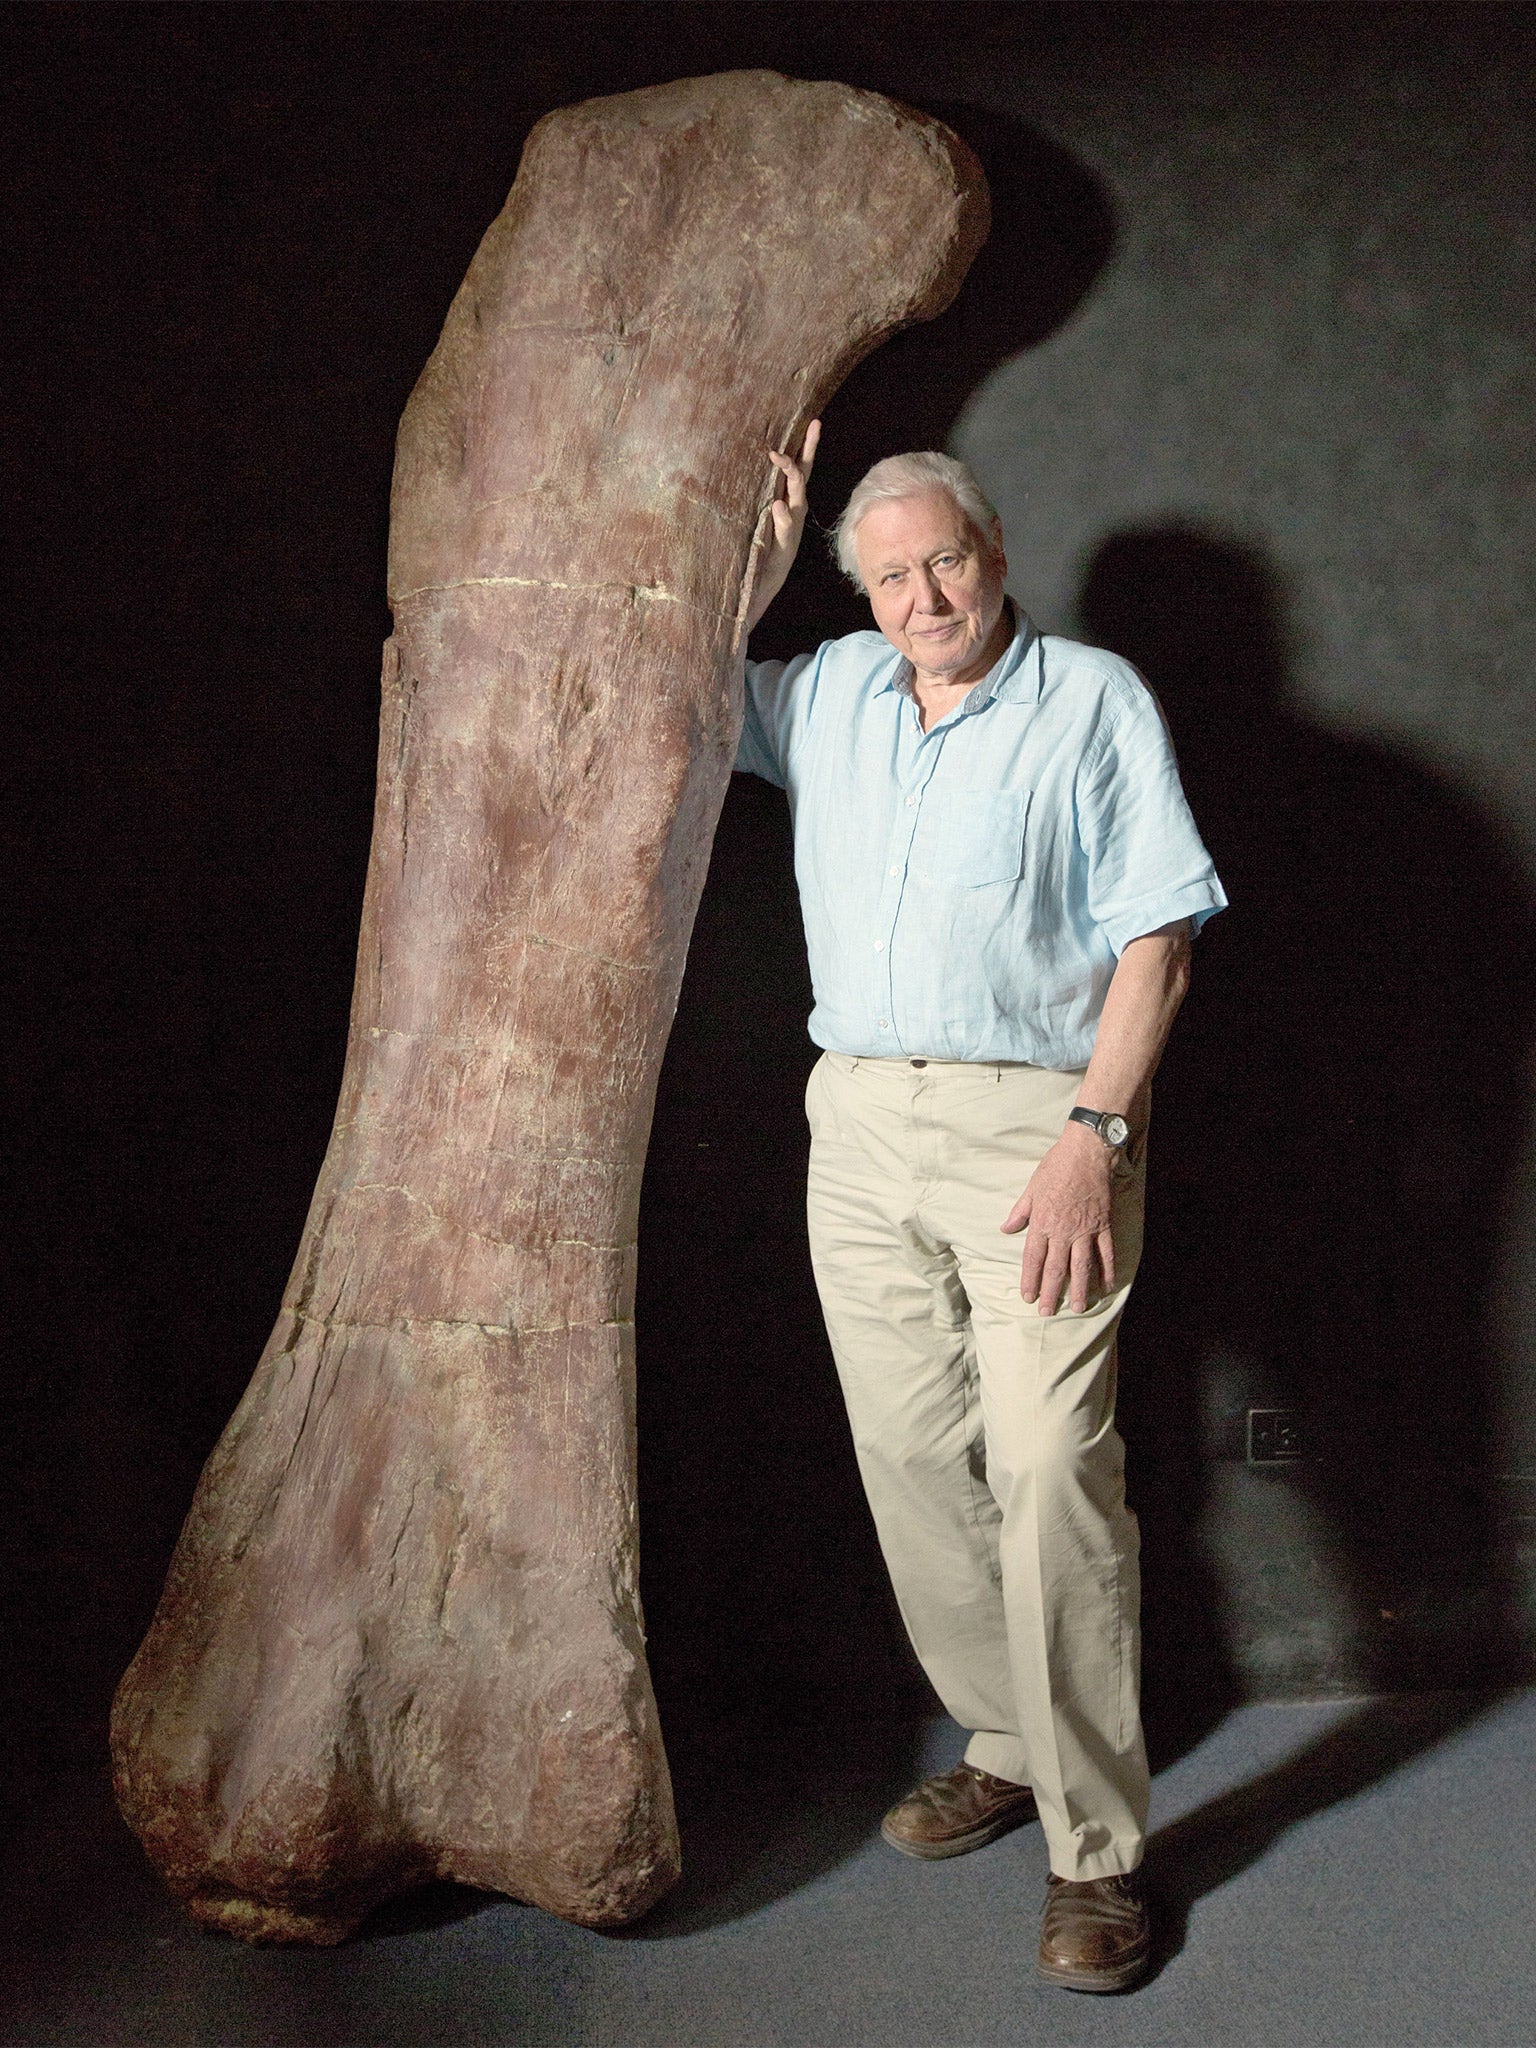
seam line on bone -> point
(653, 593)
(462, 1323)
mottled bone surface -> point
(401, 1638)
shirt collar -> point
(1014, 677)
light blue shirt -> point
(967, 890)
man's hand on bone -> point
(779, 542)
(1066, 1208)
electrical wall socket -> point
(1274, 1436)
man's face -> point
(935, 585)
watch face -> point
(1115, 1130)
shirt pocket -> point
(970, 838)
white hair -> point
(908, 476)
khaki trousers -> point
(985, 1432)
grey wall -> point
(1298, 396)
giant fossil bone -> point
(400, 1638)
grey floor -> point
(1352, 1873)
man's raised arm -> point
(779, 543)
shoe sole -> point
(1124, 1977)
(960, 1845)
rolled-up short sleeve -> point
(779, 695)
(1147, 864)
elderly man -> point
(999, 878)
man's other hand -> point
(1066, 1208)
(779, 542)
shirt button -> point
(879, 945)
(885, 1023)
(895, 871)
(911, 800)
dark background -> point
(1246, 367)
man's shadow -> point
(791, 1702)
(1334, 1141)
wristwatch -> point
(1113, 1130)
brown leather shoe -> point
(1095, 1934)
(958, 1810)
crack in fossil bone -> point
(638, 593)
(586, 953)
(408, 1323)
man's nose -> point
(930, 592)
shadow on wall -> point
(1052, 233)
(1334, 1142)
(767, 1603)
